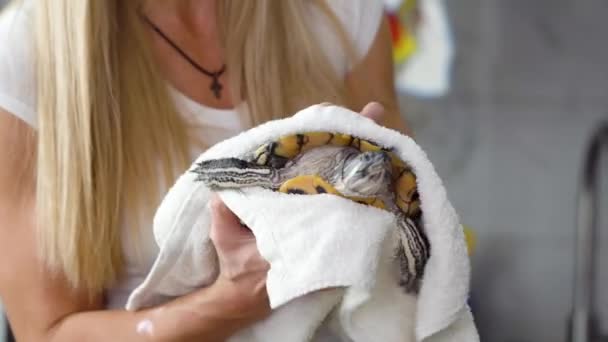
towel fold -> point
(321, 242)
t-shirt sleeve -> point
(17, 75)
(361, 21)
(366, 23)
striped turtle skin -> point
(338, 164)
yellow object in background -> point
(470, 238)
(402, 22)
(404, 48)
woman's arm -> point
(372, 80)
(43, 307)
(207, 315)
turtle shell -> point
(277, 153)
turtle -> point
(339, 164)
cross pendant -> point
(216, 87)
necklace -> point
(216, 87)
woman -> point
(104, 102)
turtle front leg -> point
(234, 173)
(412, 253)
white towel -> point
(317, 242)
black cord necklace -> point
(216, 87)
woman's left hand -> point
(374, 111)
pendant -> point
(216, 87)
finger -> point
(220, 212)
(374, 111)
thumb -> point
(374, 111)
(224, 224)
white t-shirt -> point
(360, 18)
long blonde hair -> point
(106, 120)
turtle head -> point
(366, 174)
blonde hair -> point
(106, 120)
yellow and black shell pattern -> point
(277, 153)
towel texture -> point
(319, 242)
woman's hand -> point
(236, 300)
(242, 278)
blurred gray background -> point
(530, 83)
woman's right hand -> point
(43, 306)
(236, 299)
(242, 276)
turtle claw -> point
(412, 253)
(406, 279)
